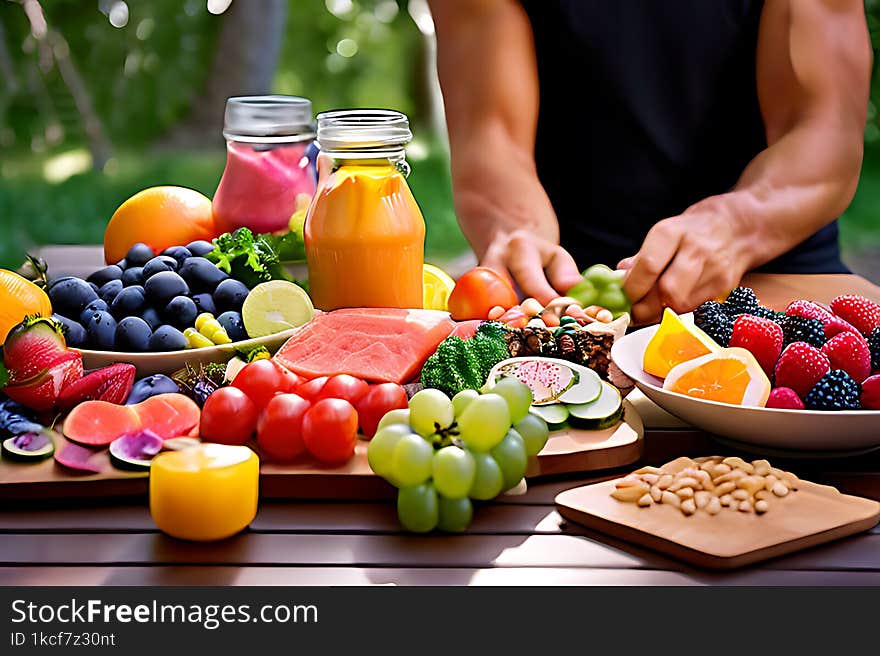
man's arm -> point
(813, 74)
(486, 61)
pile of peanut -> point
(710, 484)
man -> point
(689, 141)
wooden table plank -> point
(335, 576)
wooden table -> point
(517, 540)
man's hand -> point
(541, 268)
(688, 259)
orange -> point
(159, 217)
(19, 297)
(730, 375)
(675, 341)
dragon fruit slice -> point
(551, 380)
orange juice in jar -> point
(364, 232)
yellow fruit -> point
(437, 285)
(675, 341)
(19, 297)
(730, 375)
(159, 217)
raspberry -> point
(712, 320)
(800, 367)
(809, 310)
(874, 345)
(849, 352)
(870, 397)
(784, 397)
(863, 314)
(834, 391)
(800, 329)
(760, 336)
(741, 300)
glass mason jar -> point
(269, 175)
(364, 232)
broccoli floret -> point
(246, 257)
(458, 364)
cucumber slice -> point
(603, 412)
(135, 451)
(555, 415)
(29, 447)
(551, 380)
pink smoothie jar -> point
(270, 172)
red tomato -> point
(263, 379)
(310, 389)
(279, 430)
(329, 430)
(477, 292)
(376, 402)
(343, 386)
(229, 417)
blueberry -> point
(230, 295)
(105, 275)
(167, 338)
(179, 253)
(74, 333)
(234, 326)
(101, 329)
(70, 295)
(152, 317)
(98, 305)
(133, 335)
(205, 303)
(164, 286)
(109, 290)
(133, 276)
(151, 386)
(128, 302)
(158, 264)
(181, 312)
(202, 275)
(139, 255)
(200, 248)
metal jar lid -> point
(366, 130)
(268, 119)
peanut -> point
(726, 500)
(664, 481)
(677, 465)
(761, 506)
(670, 498)
(724, 488)
(650, 479)
(649, 470)
(688, 507)
(769, 482)
(685, 481)
(702, 498)
(714, 506)
(780, 490)
(751, 483)
(762, 494)
(738, 463)
(740, 494)
(722, 468)
(631, 493)
(729, 476)
(645, 501)
(685, 492)
(762, 467)
(745, 506)
(656, 493)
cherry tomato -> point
(229, 417)
(309, 389)
(329, 430)
(477, 292)
(279, 430)
(263, 379)
(376, 402)
(343, 386)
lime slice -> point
(274, 306)
(436, 287)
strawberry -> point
(41, 392)
(32, 347)
(784, 397)
(862, 313)
(760, 336)
(850, 352)
(800, 367)
(111, 384)
(871, 393)
(808, 310)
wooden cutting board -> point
(566, 452)
(812, 515)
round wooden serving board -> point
(567, 451)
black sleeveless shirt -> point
(647, 107)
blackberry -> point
(767, 313)
(741, 300)
(800, 329)
(834, 391)
(874, 343)
(711, 318)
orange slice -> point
(675, 341)
(730, 375)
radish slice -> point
(135, 450)
(79, 458)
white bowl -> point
(167, 362)
(773, 428)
